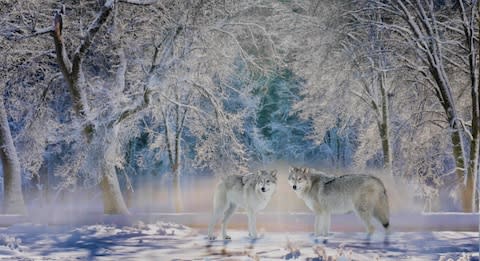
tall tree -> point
(13, 202)
(176, 114)
(431, 35)
(365, 44)
(181, 55)
(27, 123)
(469, 16)
(75, 79)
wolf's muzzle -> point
(294, 187)
(263, 189)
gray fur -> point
(251, 192)
(325, 195)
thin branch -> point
(140, 2)
(92, 30)
(36, 33)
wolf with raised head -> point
(325, 195)
(251, 192)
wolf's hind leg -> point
(220, 205)
(317, 226)
(366, 216)
(228, 214)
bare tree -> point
(74, 77)
(25, 120)
(175, 113)
(193, 50)
(469, 17)
(12, 179)
(431, 37)
(365, 45)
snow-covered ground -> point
(167, 241)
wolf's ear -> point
(247, 177)
(291, 169)
(274, 173)
(304, 170)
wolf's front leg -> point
(326, 224)
(322, 224)
(252, 225)
(317, 225)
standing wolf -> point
(251, 192)
(326, 195)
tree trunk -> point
(42, 181)
(466, 189)
(386, 148)
(469, 194)
(177, 193)
(458, 153)
(469, 191)
(113, 202)
(13, 202)
(384, 126)
(443, 93)
(112, 195)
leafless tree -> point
(12, 179)
(188, 43)
(431, 37)
(372, 68)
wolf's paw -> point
(388, 232)
(320, 234)
(227, 237)
(211, 238)
(319, 239)
(386, 241)
(253, 236)
(368, 239)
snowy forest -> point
(120, 107)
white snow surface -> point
(168, 241)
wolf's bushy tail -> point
(382, 209)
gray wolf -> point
(326, 195)
(251, 192)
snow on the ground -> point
(166, 241)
